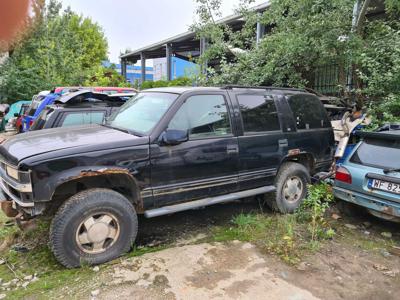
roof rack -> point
(233, 86)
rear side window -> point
(308, 112)
(258, 113)
(82, 118)
(378, 153)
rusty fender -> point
(106, 171)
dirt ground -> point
(195, 269)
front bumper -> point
(370, 202)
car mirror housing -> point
(173, 137)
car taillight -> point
(342, 174)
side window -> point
(203, 116)
(308, 112)
(72, 119)
(258, 113)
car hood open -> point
(71, 140)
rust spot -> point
(110, 171)
(388, 210)
(293, 152)
(8, 210)
(85, 173)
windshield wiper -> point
(389, 170)
(122, 129)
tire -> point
(93, 227)
(290, 174)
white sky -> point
(137, 23)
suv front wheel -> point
(93, 227)
(291, 187)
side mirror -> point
(174, 137)
(16, 115)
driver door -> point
(206, 164)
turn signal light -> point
(343, 175)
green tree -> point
(106, 77)
(303, 36)
(61, 48)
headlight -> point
(12, 172)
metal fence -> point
(327, 81)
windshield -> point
(378, 153)
(42, 119)
(142, 112)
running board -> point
(166, 210)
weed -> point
(313, 210)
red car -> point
(22, 112)
(98, 89)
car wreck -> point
(165, 150)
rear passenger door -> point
(262, 143)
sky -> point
(132, 24)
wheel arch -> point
(305, 158)
(117, 179)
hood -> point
(69, 140)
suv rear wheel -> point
(291, 187)
(93, 227)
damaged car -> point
(165, 150)
(370, 175)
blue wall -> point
(181, 67)
(133, 72)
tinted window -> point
(378, 153)
(308, 112)
(72, 119)
(203, 116)
(258, 113)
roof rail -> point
(233, 86)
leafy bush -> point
(181, 81)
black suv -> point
(166, 150)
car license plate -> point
(384, 186)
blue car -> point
(370, 175)
(35, 109)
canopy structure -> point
(185, 45)
(188, 46)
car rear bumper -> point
(371, 202)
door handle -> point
(283, 143)
(232, 149)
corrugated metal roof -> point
(189, 34)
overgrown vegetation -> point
(288, 236)
(181, 81)
(302, 37)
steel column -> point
(168, 55)
(123, 68)
(143, 66)
(203, 47)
